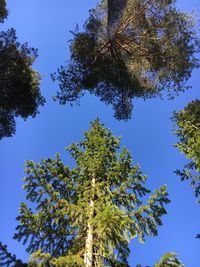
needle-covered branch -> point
(9, 260)
(93, 210)
(188, 133)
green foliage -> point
(40, 259)
(188, 132)
(19, 83)
(56, 223)
(9, 260)
(152, 48)
(169, 260)
(3, 10)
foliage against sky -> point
(55, 231)
(19, 83)
(125, 129)
(3, 10)
(188, 133)
(58, 225)
(152, 49)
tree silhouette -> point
(19, 83)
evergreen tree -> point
(188, 133)
(130, 49)
(19, 83)
(86, 216)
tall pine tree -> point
(87, 215)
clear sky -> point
(45, 24)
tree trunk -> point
(115, 12)
(88, 257)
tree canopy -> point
(88, 214)
(19, 83)
(188, 133)
(129, 49)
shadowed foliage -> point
(3, 10)
(19, 84)
(135, 51)
(9, 260)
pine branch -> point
(9, 260)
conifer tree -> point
(87, 215)
(130, 49)
(188, 132)
(19, 84)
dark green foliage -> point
(56, 229)
(153, 48)
(9, 260)
(19, 83)
(188, 132)
(3, 10)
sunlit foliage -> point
(103, 197)
(137, 53)
(188, 133)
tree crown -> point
(152, 48)
(62, 197)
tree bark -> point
(88, 257)
(115, 12)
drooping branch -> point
(9, 260)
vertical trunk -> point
(88, 257)
(115, 12)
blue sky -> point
(148, 135)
